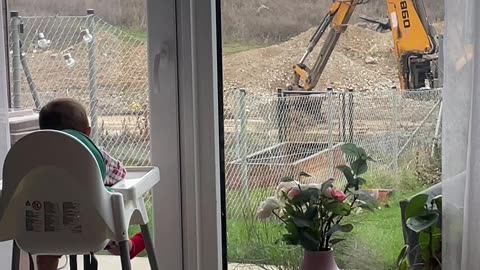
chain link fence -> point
(268, 137)
(85, 58)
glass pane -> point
(98, 57)
(279, 125)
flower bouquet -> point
(313, 214)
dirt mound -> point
(263, 70)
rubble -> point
(264, 70)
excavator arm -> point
(337, 18)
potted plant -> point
(313, 214)
(422, 216)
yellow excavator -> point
(414, 39)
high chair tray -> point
(139, 180)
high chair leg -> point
(15, 257)
(152, 257)
(73, 262)
(31, 262)
(125, 255)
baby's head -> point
(64, 113)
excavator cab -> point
(415, 44)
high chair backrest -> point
(53, 199)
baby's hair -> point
(64, 113)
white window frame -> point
(185, 126)
(5, 247)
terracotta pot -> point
(319, 260)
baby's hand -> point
(114, 249)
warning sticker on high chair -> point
(71, 217)
(52, 216)
(34, 216)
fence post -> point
(280, 115)
(92, 73)
(16, 58)
(394, 129)
(350, 115)
(437, 130)
(330, 131)
(241, 139)
(343, 111)
(23, 59)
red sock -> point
(138, 245)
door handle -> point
(160, 60)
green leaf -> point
(335, 228)
(403, 265)
(347, 171)
(339, 228)
(347, 228)
(350, 149)
(311, 212)
(416, 205)
(302, 223)
(286, 179)
(305, 174)
(362, 154)
(336, 241)
(302, 198)
(423, 222)
(342, 210)
(438, 202)
(331, 205)
(338, 208)
(327, 184)
(366, 206)
(359, 167)
(289, 239)
(290, 210)
(424, 242)
(360, 181)
(402, 256)
(436, 239)
(309, 242)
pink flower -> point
(293, 192)
(338, 195)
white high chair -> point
(53, 201)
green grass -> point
(236, 47)
(229, 47)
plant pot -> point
(319, 260)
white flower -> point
(266, 207)
(312, 185)
(327, 193)
(285, 187)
